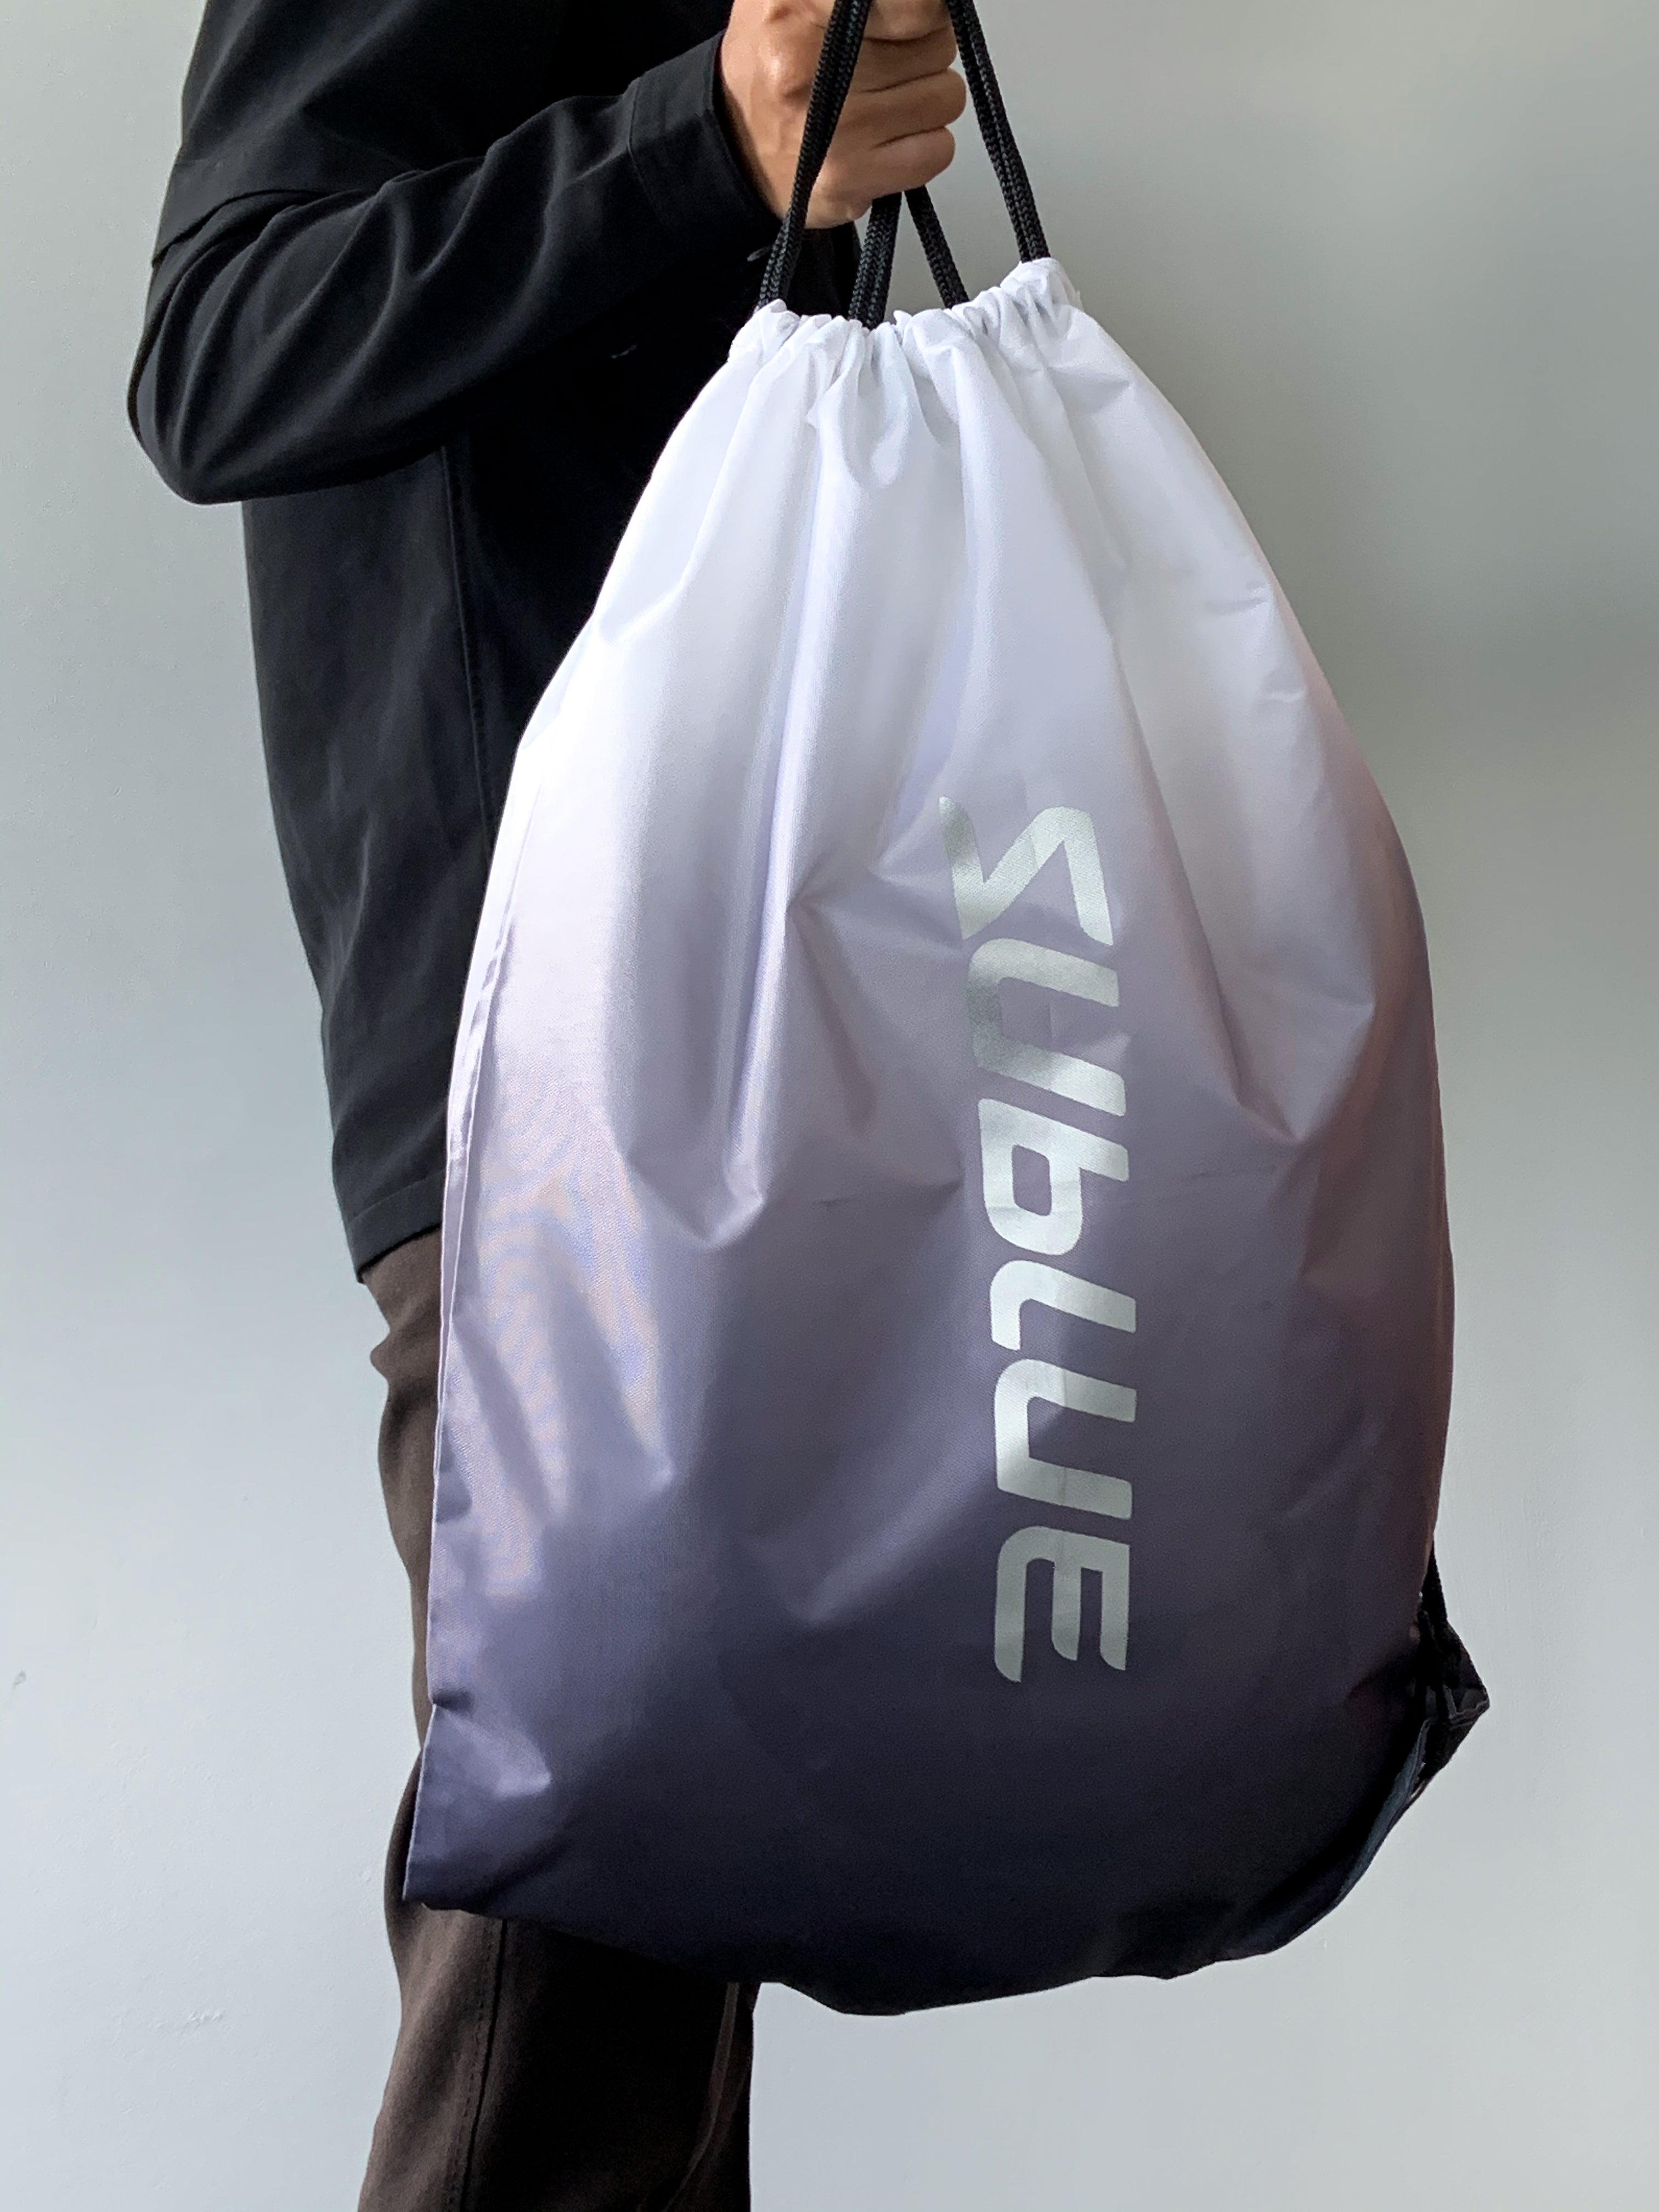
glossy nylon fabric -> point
(950, 1008)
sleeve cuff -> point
(683, 157)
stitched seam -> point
(669, 212)
(459, 2184)
(469, 650)
(716, 2097)
(401, 1191)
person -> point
(432, 285)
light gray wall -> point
(1397, 265)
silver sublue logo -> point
(1070, 1154)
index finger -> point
(905, 19)
(898, 20)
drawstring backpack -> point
(946, 1298)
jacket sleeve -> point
(370, 220)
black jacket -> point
(434, 280)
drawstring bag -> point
(946, 1299)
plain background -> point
(1397, 264)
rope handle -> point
(832, 80)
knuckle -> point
(829, 209)
(929, 156)
(786, 74)
(835, 182)
(910, 19)
(787, 68)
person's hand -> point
(895, 131)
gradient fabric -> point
(946, 1295)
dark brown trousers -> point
(532, 2072)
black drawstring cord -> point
(868, 304)
(832, 80)
(996, 130)
(940, 260)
